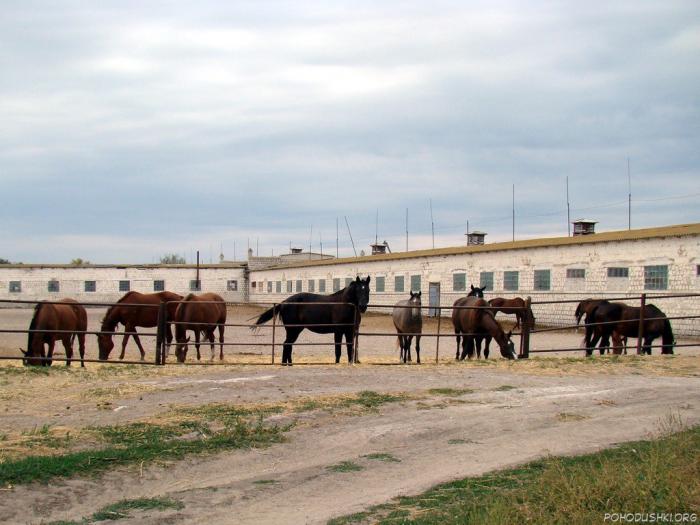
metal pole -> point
(355, 354)
(513, 212)
(568, 209)
(525, 332)
(274, 325)
(640, 333)
(161, 340)
(629, 196)
(437, 345)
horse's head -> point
(32, 356)
(415, 303)
(508, 350)
(476, 291)
(359, 293)
(105, 344)
(181, 349)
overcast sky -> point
(133, 129)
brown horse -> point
(61, 321)
(586, 306)
(132, 310)
(628, 320)
(477, 320)
(201, 314)
(515, 306)
(408, 320)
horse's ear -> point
(357, 279)
(419, 293)
(23, 352)
(508, 336)
(472, 287)
(368, 278)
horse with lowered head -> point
(132, 310)
(475, 319)
(338, 313)
(202, 314)
(52, 322)
(408, 321)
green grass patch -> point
(125, 508)
(505, 388)
(661, 475)
(383, 456)
(568, 416)
(450, 392)
(265, 482)
(345, 466)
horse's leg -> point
(138, 343)
(81, 349)
(477, 341)
(292, 335)
(464, 347)
(212, 346)
(349, 342)
(338, 340)
(68, 347)
(52, 342)
(221, 342)
(196, 342)
(617, 344)
(458, 338)
(125, 340)
(409, 340)
(517, 320)
(487, 342)
(168, 339)
(647, 345)
(418, 349)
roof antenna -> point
(350, 233)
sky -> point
(130, 129)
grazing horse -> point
(515, 306)
(586, 306)
(201, 314)
(144, 313)
(475, 292)
(306, 310)
(477, 320)
(60, 321)
(408, 320)
(599, 334)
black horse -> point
(305, 310)
(475, 292)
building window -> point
(298, 285)
(54, 287)
(575, 273)
(542, 280)
(336, 284)
(348, 280)
(321, 286)
(15, 286)
(124, 286)
(269, 286)
(195, 285)
(159, 285)
(415, 283)
(398, 283)
(311, 286)
(379, 283)
(232, 285)
(289, 286)
(459, 282)
(486, 280)
(90, 286)
(697, 270)
(510, 280)
(656, 277)
(617, 272)
(278, 286)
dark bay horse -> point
(585, 307)
(303, 310)
(476, 321)
(145, 315)
(70, 319)
(624, 322)
(201, 314)
(475, 292)
(515, 306)
(407, 317)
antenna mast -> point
(406, 229)
(350, 233)
(432, 223)
(513, 212)
(629, 196)
(568, 209)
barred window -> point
(415, 283)
(311, 285)
(159, 285)
(298, 285)
(697, 270)
(336, 284)
(232, 285)
(269, 286)
(656, 277)
(542, 279)
(124, 286)
(575, 273)
(290, 285)
(398, 283)
(459, 282)
(379, 284)
(90, 286)
(486, 280)
(54, 286)
(617, 271)
(510, 280)
(15, 286)
(278, 286)
(195, 285)
(321, 286)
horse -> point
(475, 292)
(201, 314)
(585, 307)
(68, 321)
(303, 310)
(477, 320)
(408, 320)
(515, 306)
(144, 314)
(599, 311)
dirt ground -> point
(512, 413)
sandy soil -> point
(552, 406)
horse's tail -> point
(667, 338)
(266, 316)
(578, 314)
(590, 318)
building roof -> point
(218, 266)
(613, 236)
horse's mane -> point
(189, 297)
(121, 300)
(32, 325)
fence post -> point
(525, 331)
(355, 354)
(160, 333)
(274, 325)
(437, 345)
(640, 334)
